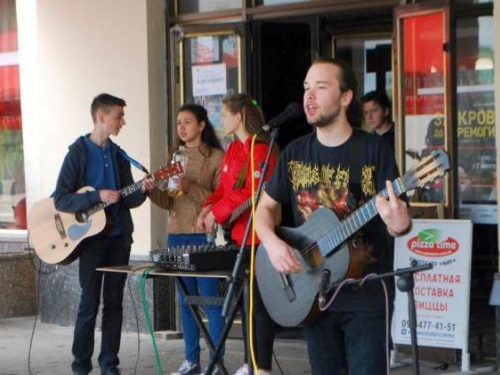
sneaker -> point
(215, 371)
(188, 368)
(242, 371)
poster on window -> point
(205, 50)
(230, 51)
(441, 293)
(209, 80)
(213, 105)
(476, 147)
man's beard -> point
(326, 120)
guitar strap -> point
(134, 162)
(357, 156)
(240, 182)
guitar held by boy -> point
(55, 235)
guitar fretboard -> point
(338, 235)
(123, 193)
(240, 210)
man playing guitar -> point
(340, 168)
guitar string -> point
(335, 239)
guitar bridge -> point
(59, 226)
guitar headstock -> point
(168, 171)
(427, 170)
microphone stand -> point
(405, 283)
(235, 275)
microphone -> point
(291, 111)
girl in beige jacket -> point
(199, 146)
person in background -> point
(344, 168)
(242, 117)
(94, 160)
(198, 144)
(377, 115)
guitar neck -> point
(338, 235)
(240, 210)
(126, 191)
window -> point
(12, 191)
(371, 59)
(211, 70)
(195, 6)
(424, 97)
(476, 120)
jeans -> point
(351, 342)
(98, 252)
(202, 286)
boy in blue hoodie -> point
(94, 160)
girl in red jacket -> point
(242, 117)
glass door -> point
(209, 65)
(423, 95)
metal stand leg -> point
(197, 317)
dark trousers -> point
(99, 252)
(263, 333)
(351, 343)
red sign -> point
(433, 249)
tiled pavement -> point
(51, 352)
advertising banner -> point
(442, 293)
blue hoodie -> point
(72, 178)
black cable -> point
(37, 298)
(39, 268)
(278, 363)
(36, 316)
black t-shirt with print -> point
(310, 175)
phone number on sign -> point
(430, 325)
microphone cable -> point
(252, 267)
(147, 317)
(136, 315)
(252, 259)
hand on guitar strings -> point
(147, 185)
(109, 196)
(206, 224)
(394, 212)
(209, 222)
(282, 256)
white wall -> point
(70, 51)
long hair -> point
(208, 136)
(251, 114)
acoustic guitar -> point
(321, 246)
(55, 235)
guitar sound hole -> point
(82, 217)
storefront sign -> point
(442, 293)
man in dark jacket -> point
(94, 160)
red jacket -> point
(226, 198)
